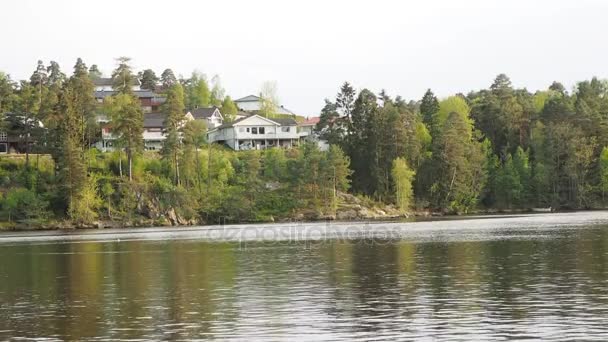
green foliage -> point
(85, 208)
(197, 91)
(126, 117)
(122, 77)
(174, 121)
(229, 109)
(24, 204)
(402, 179)
(269, 101)
(148, 79)
(604, 172)
(453, 104)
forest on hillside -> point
(498, 148)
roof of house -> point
(107, 81)
(100, 94)
(310, 121)
(249, 98)
(154, 120)
(284, 121)
(203, 113)
(246, 105)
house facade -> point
(153, 135)
(212, 116)
(255, 132)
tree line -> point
(501, 147)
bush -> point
(21, 203)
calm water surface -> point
(524, 277)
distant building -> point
(18, 132)
(149, 100)
(255, 132)
(212, 116)
(153, 135)
(306, 129)
(253, 104)
(105, 84)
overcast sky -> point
(310, 47)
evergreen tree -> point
(429, 105)
(330, 127)
(148, 79)
(459, 161)
(167, 78)
(94, 72)
(127, 121)
(122, 77)
(604, 173)
(174, 121)
(7, 93)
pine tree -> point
(168, 79)
(148, 79)
(94, 72)
(122, 77)
(429, 105)
(174, 121)
(126, 121)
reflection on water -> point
(512, 281)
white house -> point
(212, 116)
(306, 129)
(253, 104)
(256, 132)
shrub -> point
(21, 203)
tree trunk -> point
(198, 171)
(120, 162)
(130, 161)
(177, 180)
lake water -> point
(518, 277)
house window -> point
(262, 130)
(285, 129)
(242, 129)
(247, 129)
(3, 148)
(254, 130)
(3, 136)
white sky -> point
(310, 47)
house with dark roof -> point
(153, 135)
(255, 132)
(20, 133)
(212, 116)
(149, 100)
(253, 104)
(105, 84)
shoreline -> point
(108, 225)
